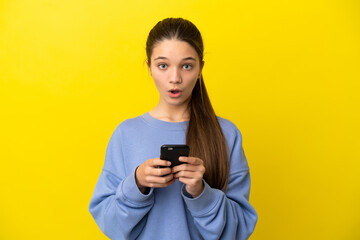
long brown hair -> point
(204, 135)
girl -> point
(138, 195)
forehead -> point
(173, 50)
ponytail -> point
(206, 139)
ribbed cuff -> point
(203, 203)
(129, 191)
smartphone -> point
(173, 152)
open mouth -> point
(175, 93)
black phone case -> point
(173, 152)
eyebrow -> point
(187, 58)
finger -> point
(159, 162)
(157, 171)
(189, 167)
(191, 160)
(161, 171)
(189, 181)
(160, 180)
(188, 174)
(186, 167)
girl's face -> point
(175, 67)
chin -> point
(178, 102)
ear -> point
(201, 67)
(147, 63)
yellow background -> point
(285, 72)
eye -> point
(162, 66)
(187, 66)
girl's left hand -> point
(191, 174)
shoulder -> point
(230, 130)
(130, 123)
(128, 127)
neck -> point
(171, 113)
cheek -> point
(193, 85)
(158, 82)
(158, 76)
(193, 80)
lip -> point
(175, 93)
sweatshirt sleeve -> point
(117, 205)
(219, 215)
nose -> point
(175, 76)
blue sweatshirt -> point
(122, 212)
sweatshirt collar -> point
(154, 122)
